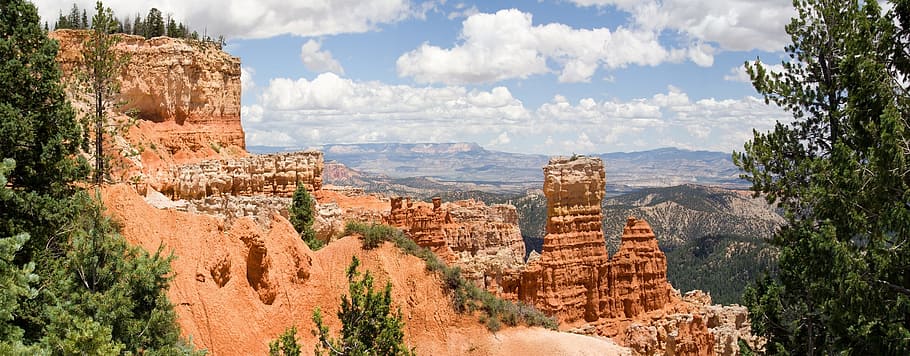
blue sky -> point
(551, 77)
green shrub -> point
(466, 297)
(372, 235)
(301, 215)
(368, 325)
(286, 344)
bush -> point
(466, 297)
(368, 325)
(286, 344)
(301, 215)
(373, 235)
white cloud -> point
(736, 25)
(501, 140)
(463, 11)
(507, 45)
(739, 74)
(260, 18)
(246, 78)
(334, 109)
(318, 61)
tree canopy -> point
(71, 284)
(841, 173)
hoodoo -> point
(570, 280)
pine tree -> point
(138, 26)
(301, 214)
(74, 20)
(127, 25)
(154, 24)
(286, 344)
(841, 172)
(74, 284)
(102, 66)
(368, 326)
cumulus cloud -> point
(737, 25)
(261, 18)
(246, 78)
(317, 60)
(501, 140)
(334, 109)
(507, 45)
(739, 74)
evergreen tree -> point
(85, 23)
(154, 24)
(841, 172)
(138, 26)
(93, 294)
(102, 66)
(16, 281)
(62, 22)
(171, 27)
(127, 25)
(301, 215)
(368, 326)
(74, 19)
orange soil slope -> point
(237, 287)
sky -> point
(546, 77)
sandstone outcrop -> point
(486, 241)
(190, 90)
(229, 318)
(570, 280)
(423, 223)
(728, 323)
(274, 175)
(627, 296)
(483, 240)
(638, 272)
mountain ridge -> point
(472, 163)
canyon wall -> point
(273, 175)
(483, 240)
(190, 90)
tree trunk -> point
(99, 158)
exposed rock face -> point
(484, 241)
(424, 224)
(638, 272)
(570, 280)
(273, 175)
(191, 90)
(728, 324)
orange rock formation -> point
(638, 272)
(626, 297)
(570, 280)
(275, 175)
(189, 89)
(484, 241)
(237, 288)
(424, 224)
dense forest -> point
(154, 24)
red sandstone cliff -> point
(484, 241)
(187, 94)
(237, 287)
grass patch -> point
(466, 297)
